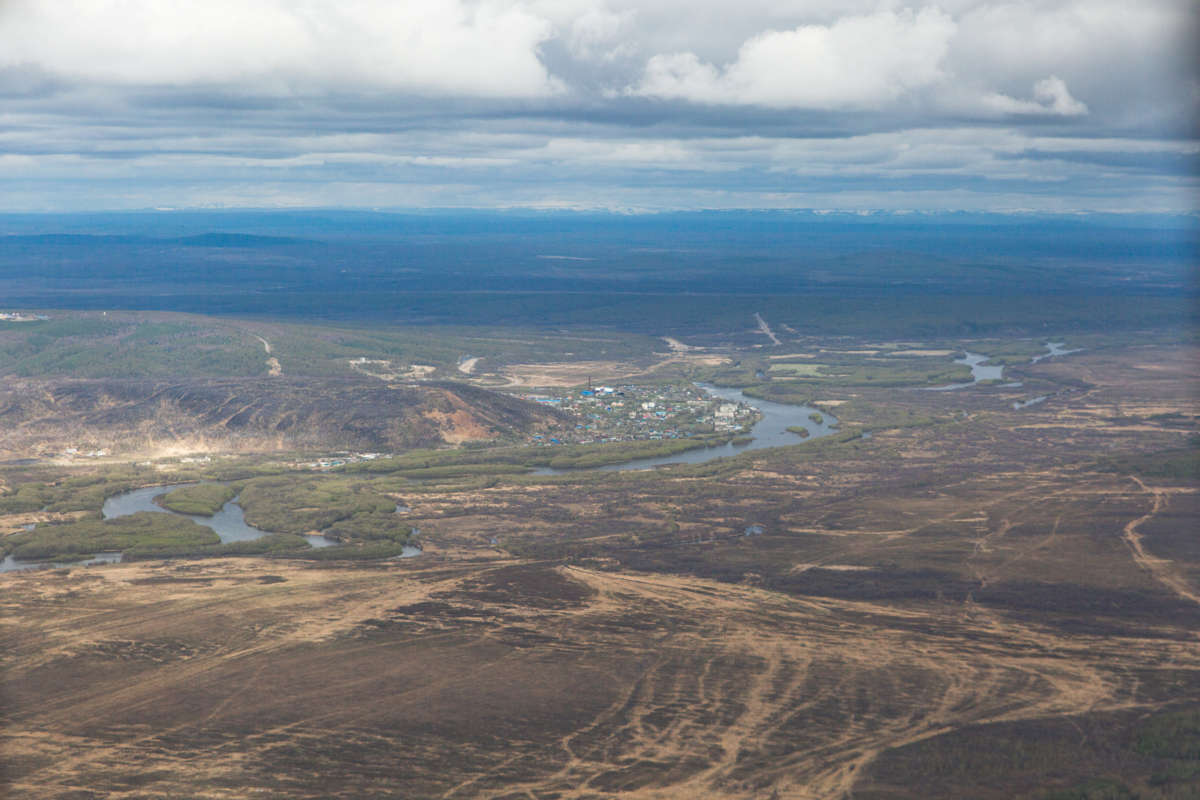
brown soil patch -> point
(505, 680)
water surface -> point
(229, 524)
(978, 373)
(1055, 349)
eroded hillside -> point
(148, 417)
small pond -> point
(1019, 404)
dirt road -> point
(678, 346)
(710, 690)
(766, 329)
(1158, 567)
(272, 363)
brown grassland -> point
(990, 604)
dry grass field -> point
(578, 373)
(997, 604)
(239, 679)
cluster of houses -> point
(600, 391)
(632, 413)
(347, 458)
(75, 452)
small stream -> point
(1055, 349)
(981, 373)
(1019, 404)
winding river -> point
(770, 431)
(230, 523)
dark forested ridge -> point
(529, 268)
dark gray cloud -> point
(977, 104)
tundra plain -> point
(973, 601)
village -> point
(637, 413)
(615, 414)
(626, 413)
(17, 316)
(602, 414)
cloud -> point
(593, 34)
(676, 103)
(857, 62)
(1050, 96)
(441, 47)
(1130, 63)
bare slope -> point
(260, 414)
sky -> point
(984, 105)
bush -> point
(26, 498)
(371, 526)
(1175, 735)
(203, 500)
(295, 504)
(146, 529)
(1098, 789)
(267, 545)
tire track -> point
(1152, 564)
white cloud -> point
(1129, 62)
(1050, 96)
(593, 35)
(138, 100)
(856, 62)
(486, 49)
